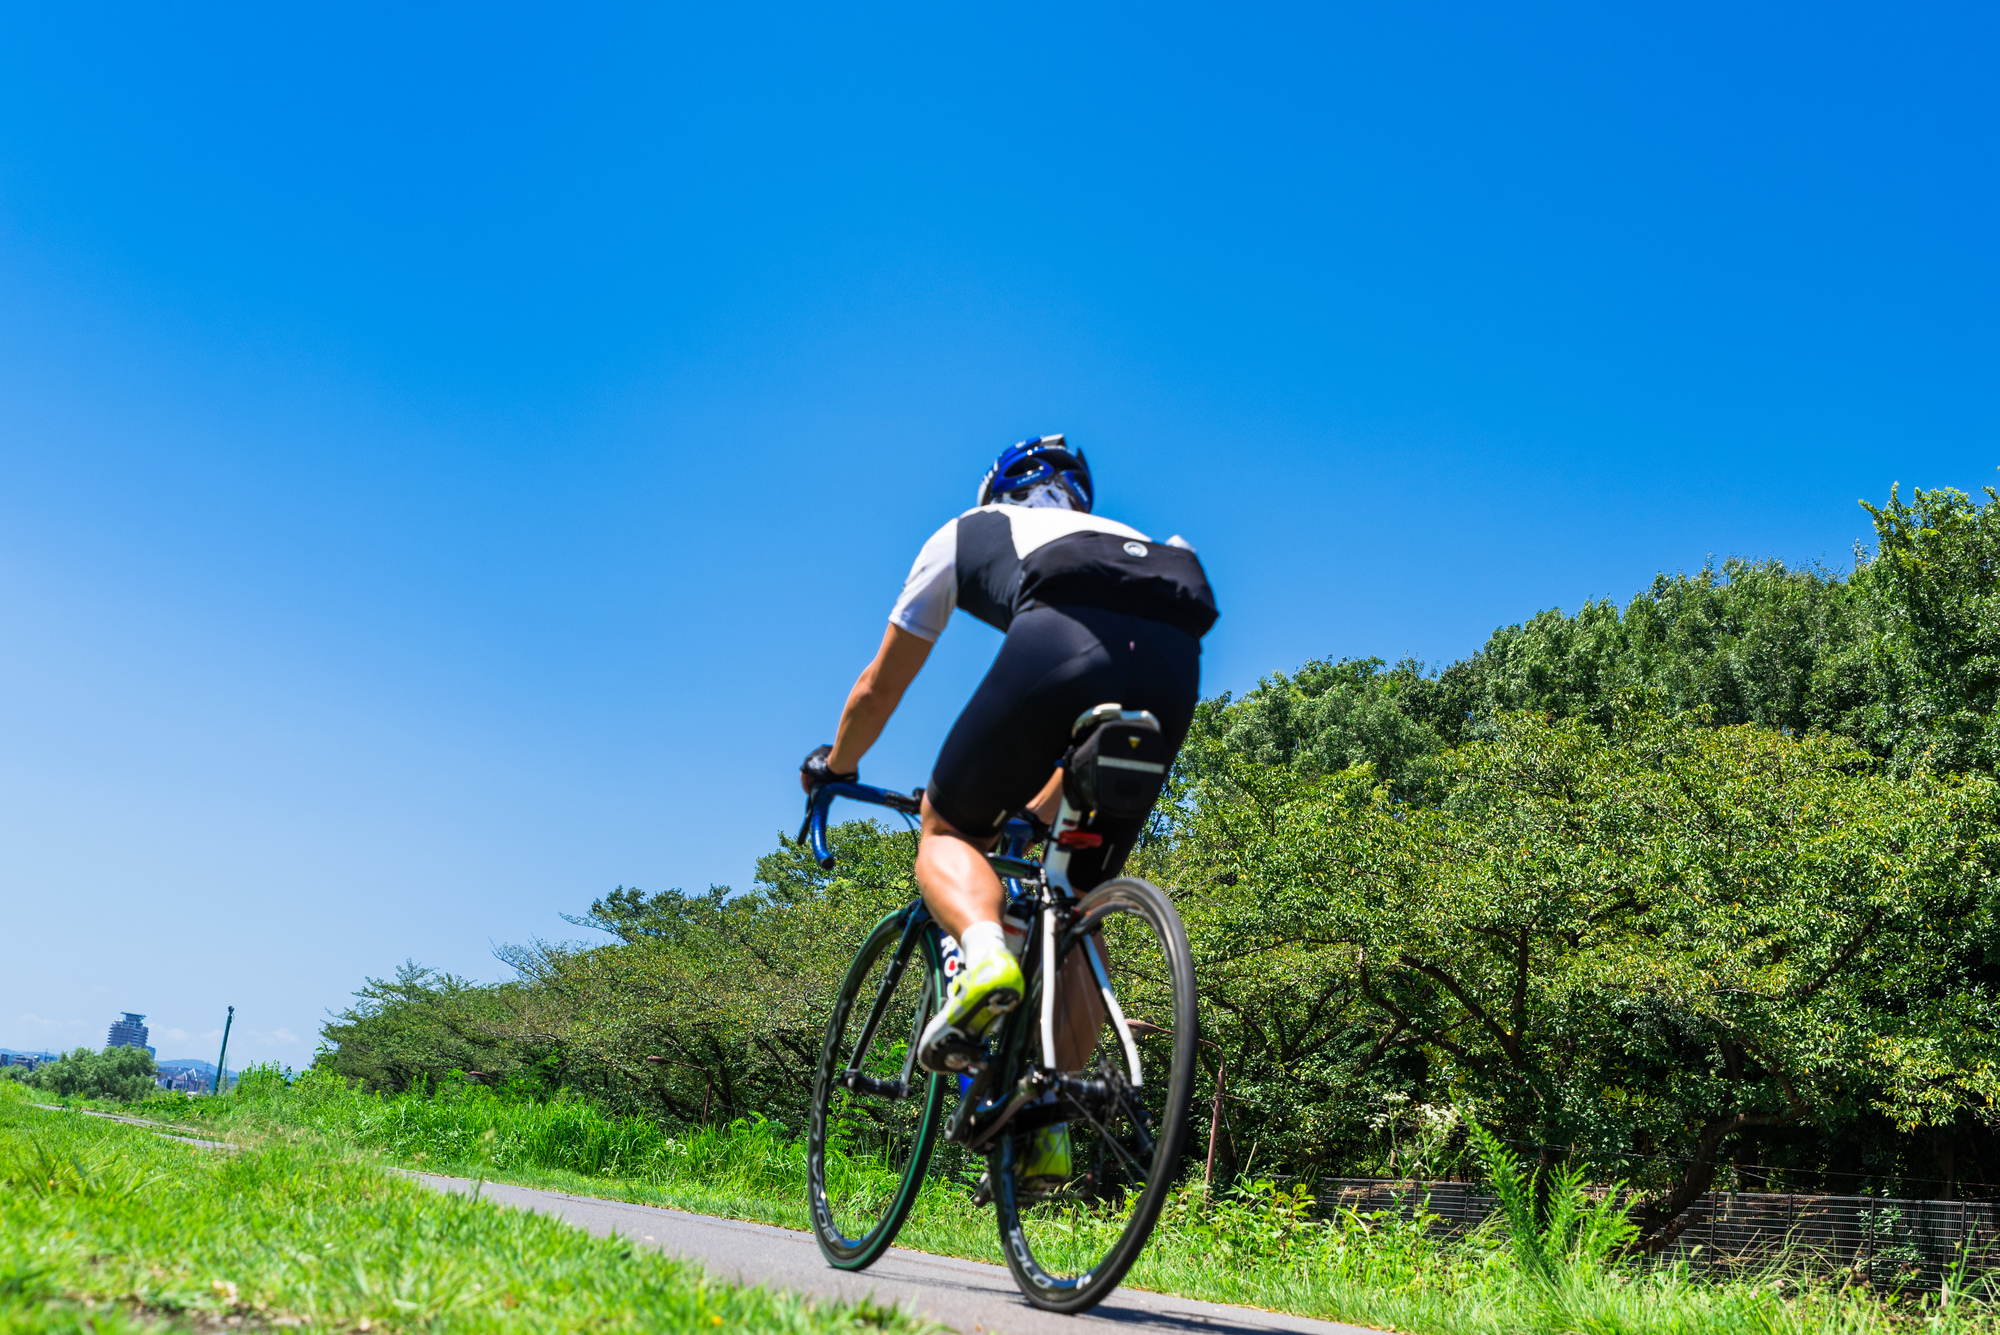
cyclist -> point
(1094, 611)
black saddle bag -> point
(1119, 766)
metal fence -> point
(1890, 1241)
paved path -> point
(164, 1130)
(970, 1296)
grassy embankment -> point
(107, 1227)
(1266, 1251)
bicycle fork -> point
(854, 1079)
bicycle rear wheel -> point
(875, 1114)
(1071, 1246)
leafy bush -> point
(121, 1075)
(405, 1030)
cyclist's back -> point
(1094, 611)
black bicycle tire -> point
(1046, 1291)
(840, 1251)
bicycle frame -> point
(982, 1113)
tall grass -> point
(1552, 1261)
(108, 1227)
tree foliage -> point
(422, 1024)
(122, 1075)
(1640, 941)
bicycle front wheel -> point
(875, 1113)
(1126, 1077)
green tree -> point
(1324, 718)
(1644, 942)
(1936, 577)
(1747, 642)
(121, 1075)
(421, 1025)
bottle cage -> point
(1117, 763)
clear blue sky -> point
(453, 459)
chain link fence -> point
(1890, 1241)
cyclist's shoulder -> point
(1032, 527)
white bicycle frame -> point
(1056, 867)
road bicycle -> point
(1103, 1042)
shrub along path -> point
(966, 1295)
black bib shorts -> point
(1056, 663)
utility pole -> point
(1214, 1122)
(219, 1068)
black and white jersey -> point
(998, 561)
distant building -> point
(29, 1060)
(187, 1076)
(130, 1032)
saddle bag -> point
(1120, 764)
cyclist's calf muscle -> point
(958, 885)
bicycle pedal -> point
(956, 1055)
(982, 1194)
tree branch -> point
(1664, 1220)
(1840, 961)
(1473, 1008)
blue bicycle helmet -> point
(1047, 463)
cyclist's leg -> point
(958, 885)
(965, 898)
(996, 759)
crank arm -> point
(860, 1082)
(1026, 1090)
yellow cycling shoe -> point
(1047, 1166)
(979, 995)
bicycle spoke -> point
(1111, 1139)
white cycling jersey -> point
(997, 561)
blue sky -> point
(453, 462)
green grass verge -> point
(1263, 1249)
(109, 1227)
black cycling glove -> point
(817, 772)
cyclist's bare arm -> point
(876, 693)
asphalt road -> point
(966, 1295)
